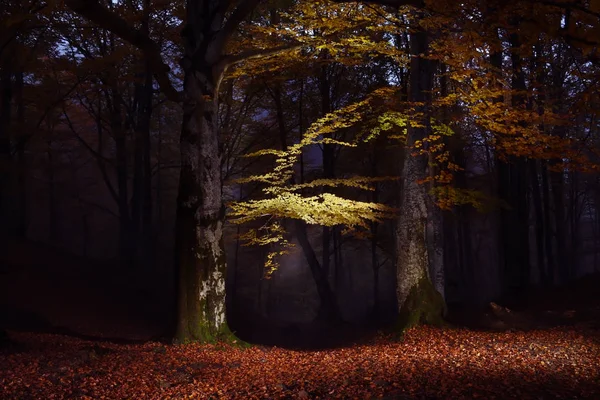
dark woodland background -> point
(89, 164)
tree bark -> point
(513, 182)
(418, 301)
(539, 222)
(141, 204)
(6, 162)
(200, 256)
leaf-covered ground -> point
(529, 357)
(427, 363)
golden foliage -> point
(285, 199)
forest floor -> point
(549, 348)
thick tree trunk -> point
(200, 256)
(418, 301)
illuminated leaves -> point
(283, 198)
(325, 209)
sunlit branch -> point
(227, 61)
(393, 3)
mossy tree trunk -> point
(418, 301)
(199, 250)
(200, 256)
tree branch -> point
(393, 3)
(95, 12)
(227, 61)
(236, 18)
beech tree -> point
(200, 259)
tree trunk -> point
(539, 222)
(570, 269)
(376, 311)
(142, 188)
(6, 162)
(328, 164)
(328, 309)
(548, 239)
(22, 209)
(200, 257)
(435, 227)
(418, 301)
(513, 181)
(53, 231)
(126, 235)
(141, 203)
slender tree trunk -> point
(539, 177)
(6, 164)
(22, 210)
(158, 189)
(548, 237)
(142, 207)
(570, 269)
(328, 307)
(328, 165)
(418, 301)
(142, 188)
(539, 221)
(513, 180)
(557, 186)
(126, 238)
(53, 232)
(376, 311)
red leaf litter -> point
(427, 363)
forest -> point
(291, 199)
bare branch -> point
(236, 18)
(95, 12)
